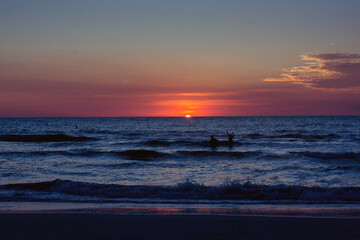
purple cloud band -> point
(335, 72)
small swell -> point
(294, 136)
(134, 134)
(218, 154)
(254, 136)
(308, 137)
(43, 138)
(328, 136)
(189, 143)
(138, 154)
(330, 155)
(157, 143)
(144, 154)
(99, 131)
(141, 154)
(355, 168)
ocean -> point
(297, 165)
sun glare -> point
(188, 116)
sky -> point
(118, 58)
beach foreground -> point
(112, 226)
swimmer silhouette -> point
(230, 136)
(213, 141)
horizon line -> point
(350, 115)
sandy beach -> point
(111, 226)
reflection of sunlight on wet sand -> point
(224, 208)
(295, 210)
(246, 210)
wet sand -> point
(111, 226)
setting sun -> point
(188, 116)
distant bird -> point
(76, 126)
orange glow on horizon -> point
(200, 107)
(188, 116)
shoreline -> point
(328, 210)
(117, 226)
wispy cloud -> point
(335, 72)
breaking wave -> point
(188, 190)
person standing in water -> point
(213, 141)
(230, 136)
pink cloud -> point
(334, 72)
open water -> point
(274, 160)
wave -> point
(137, 154)
(295, 136)
(219, 154)
(43, 138)
(163, 143)
(356, 168)
(110, 132)
(155, 143)
(185, 190)
(141, 154)
(144, 154)
(331, 155)
(99, 131)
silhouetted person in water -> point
(213, 141)
(230, 136)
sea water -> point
(150, 162)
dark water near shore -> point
(170, 160)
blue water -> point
(170, 160)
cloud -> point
(334, 72)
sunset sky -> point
(172, 58)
